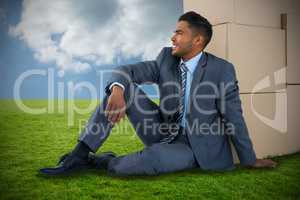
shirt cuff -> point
(118, 84)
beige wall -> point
(249, 34)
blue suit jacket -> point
(216, 112)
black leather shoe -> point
(67, 164)
(101, 161)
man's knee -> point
(145, 162)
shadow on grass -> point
(239, 170)
(186, 173)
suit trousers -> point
(155, 158)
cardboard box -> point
(266, 119)
(273, 122)
(215, 11)
(293, 48)
(258, 54)
(294, 7)
(218, 44)
(264, 13)
(248, 12)
(293, 124)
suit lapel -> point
(176, 74)
(175, 66)
(199, 71)
(197, 76)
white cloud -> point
(76, 35)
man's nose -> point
(173, 38)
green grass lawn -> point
(29, 142)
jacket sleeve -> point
(141, 72)
(231, 110)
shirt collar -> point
(191, 64)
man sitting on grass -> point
(199, 112)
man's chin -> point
(175, 53)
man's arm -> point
(231, 109)
(139, 73)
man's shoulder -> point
(166, 56)
(215, 60)
(217, 64)
(167, 52)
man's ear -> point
(199, 40)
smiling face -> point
(186, 44)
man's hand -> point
(116, 105)
(264, 163)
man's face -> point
(182, 39)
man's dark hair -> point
(199, 24)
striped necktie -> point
(181, 107)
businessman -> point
(199, 113)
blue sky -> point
(78, 40)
